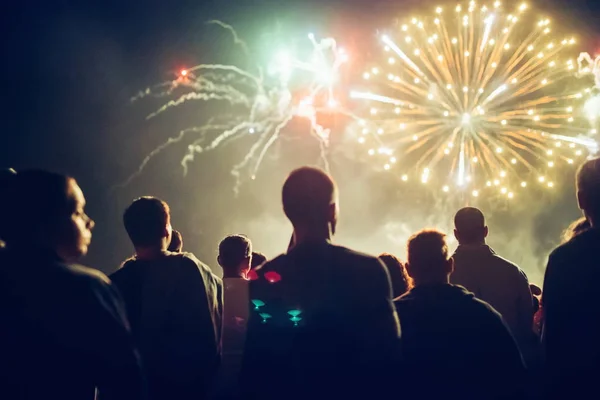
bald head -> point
(469, 226)
(309, 197)
(588, 189)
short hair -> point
(307, 194)
(588, 182)
(257, 259)
(427, 250)
(145, 220)
(469, 222)
(401, 282)
(233, 250)
(34, 199)
(176, 244)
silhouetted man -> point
(493, 279)
(454, 345)
(64, 331)
(173, 303)
(235, 257)
(322, 323)
(571, 301)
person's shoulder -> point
(580, 245)
(84, 279)
(509, 266)
(82, 273)
(188, 262)
(124, 268)
(356, 258)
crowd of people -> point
(320, 321)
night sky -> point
(69, 70)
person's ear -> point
(219, 260)
(456, 235)
(486, 231)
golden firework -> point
(476, 98)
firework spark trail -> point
(589, 66)
(262, 107)
(476, 98)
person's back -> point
(493, 279)
(496, 281)
(454, 345)
(322, 323)
(173, 305)
(458, 344)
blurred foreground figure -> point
(494, 280)
(173, 302)
(571, 301)
(322, 322)
(64, 331)
(455, 346)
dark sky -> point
(69, 69)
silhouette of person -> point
(571, 303)
(454, 345)
(494, 280)
(235, 257)
(174, 305)
(401, 282)
(64, 331)
(176, 244)
(258, 259)
(322, 323)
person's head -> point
(176, 245)
(401, 282)
(235, 256)
(579, 226)
(46, 211)
(148, 223)
(469, 226)
(588, 190)
(258, 259)
(310, 199)
(428, 261)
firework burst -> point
(259, 104)
(476, 99)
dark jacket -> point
(571, 303)
(456, 346)
(174, 305)
(322, 325)
(63, 333)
